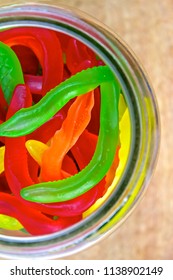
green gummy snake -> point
(10, 71)
(28, 119)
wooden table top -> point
(147, 27)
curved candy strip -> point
(2, 152)
(68, 167)
(94, 124)
(123, 152)
(28, 60)
(62, 190)
(27, 120)
(122, 107)
(78, 56)
(36, 150)
(10, 71)
(9, 223)
(125, 140)
(49, 54)
(77, 119)
(17, 174)
(48, 129)
(3, 106)
(32, 220)
(34, 82)
(79, 151)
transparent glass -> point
(145, 131)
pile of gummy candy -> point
(60, 144)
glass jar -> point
(144, 122)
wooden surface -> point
(147, 27)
